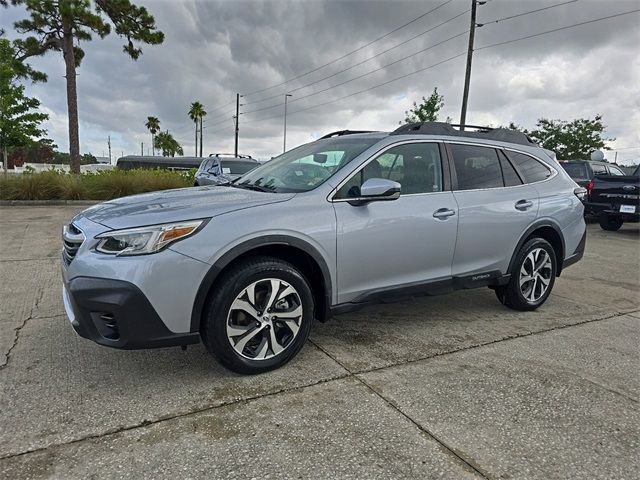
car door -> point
(401, 243)
(495, 207)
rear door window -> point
(577, 171)
(509, 173)
(529, 168)
(476, 167)
(598, 169)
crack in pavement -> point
(17, 330)
(491, 342)
(349, 374)
(166, 418)
(458, 455)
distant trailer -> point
(170, 163)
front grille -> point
(72, 238)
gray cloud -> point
(214, 49)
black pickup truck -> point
(615, 199)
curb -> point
(46, 203)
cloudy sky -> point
(214, 49)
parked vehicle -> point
(583, 171)
(614, 199)
(325, 228)
(171, 163)
(219, 169)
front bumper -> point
(115, 313)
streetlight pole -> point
(284, 146)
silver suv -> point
(342, 222)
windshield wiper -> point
(251, 186)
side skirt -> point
(490, 279)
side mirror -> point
(377, 190)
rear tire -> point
(532, 276)
(258, 315)
(610, 224)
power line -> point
(360, 76)
(558, 29)
(387, 65)
(526, 13)
(352, 51)
(362, 61)
(222, 106)
(366, 89)
(224, 116)
(452, 58)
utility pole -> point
(237, 120)
(142, 149)
(467, 75)
(284, 146)
(109, 143)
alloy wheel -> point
(264, 319)
(535, 274)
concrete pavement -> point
(454, 386)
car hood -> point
(177, 205)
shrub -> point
(101, 185)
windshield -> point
(304, 168)
(237, 167)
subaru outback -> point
(342, 222)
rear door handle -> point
(443, 213)
(523, 205)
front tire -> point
(532, 276)
(610, 224)
(258, 316)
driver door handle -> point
(523, 205)
(443, 213)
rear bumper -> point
(577, 255)
(612, 210)
(115, 313)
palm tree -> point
(165, 142)
(153, 125)
(196, 112)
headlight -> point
(145, 240)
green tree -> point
(571, 140)
(60, 25)
(196, 113)
(20, 118)
(427, 111)
(170, 147)
(153, 125)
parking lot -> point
(454, 386)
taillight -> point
(589, 187)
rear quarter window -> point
(530, 169)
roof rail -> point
(441, 128)
(340, 133)
(230, 155)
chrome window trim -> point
(375, 155)
(554, 172)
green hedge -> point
(101, 185)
